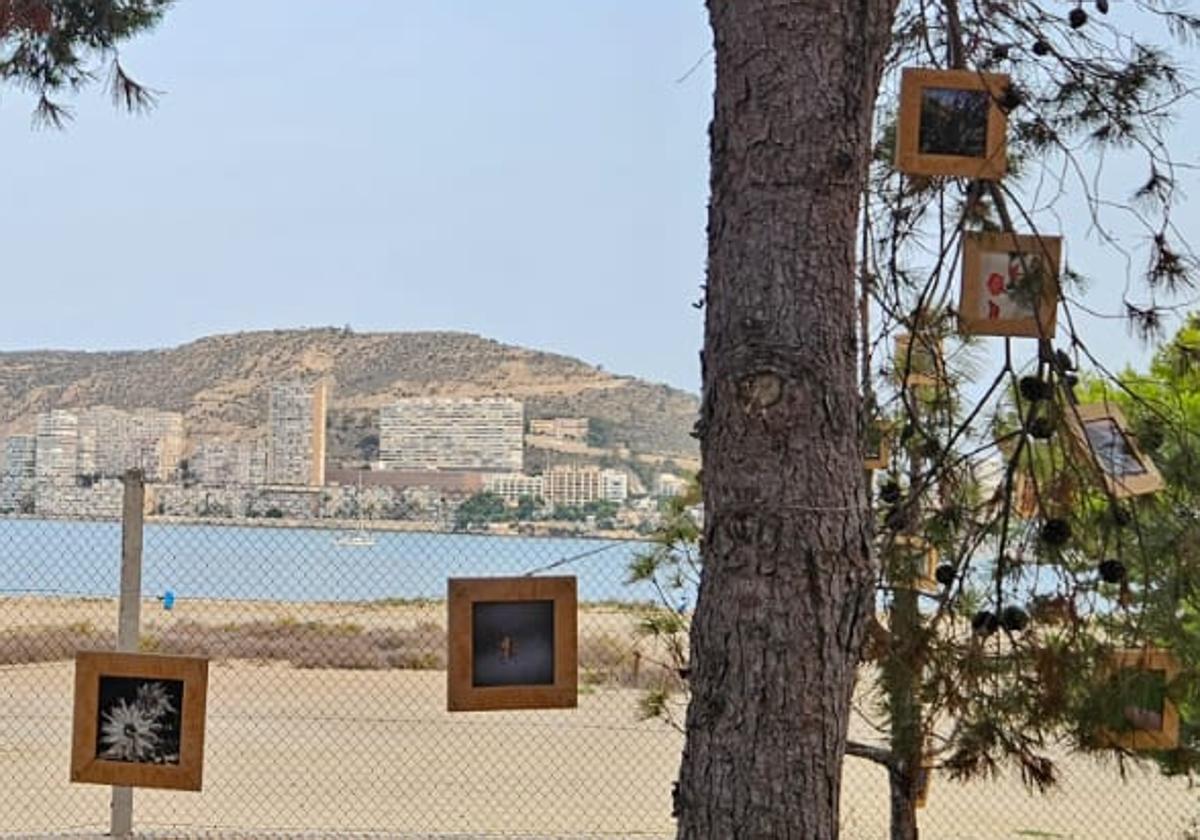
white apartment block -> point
(669, 485)
(562, 428)
(513, 486)
(452, 433)
(572, 486)
(20, 456)
(17, 481)
(296, 433)
(228, 462)
(112, 441)
(56, 458)
(614, 485)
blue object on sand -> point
(168, 599)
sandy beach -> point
(314, 749)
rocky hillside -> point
(220, 384)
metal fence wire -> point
(327, 698)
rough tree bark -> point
(788, 582)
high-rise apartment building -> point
(20, 456)
(230, 462)
(452, 434)
(112, 441)
(296, 433)
(56, 457)
(17, 482)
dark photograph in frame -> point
(1112, 447)
(953, 122)
(139, 720)
(513, 643)
(1103, 439)
(950, 124)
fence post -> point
(129, 615)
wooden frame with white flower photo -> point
(1003, 276)
(513, 643)
(1148, 728)
(951, 124)
(1102, 437)
(139, 720)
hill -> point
(220, 384)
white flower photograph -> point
(140, 720)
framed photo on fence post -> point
(139, 720)
(951, 124)
(1102, 437)
(513, 643)
(1009, 285)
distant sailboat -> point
(358, 537)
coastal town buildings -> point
(512, 487)
(452, 434)
(229, 461)
(112, 441)
(56, 449)
(575, 485)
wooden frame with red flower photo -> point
(993, 266)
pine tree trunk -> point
(788, 582)
(901, 682)
(904, 806)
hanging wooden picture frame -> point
(919, 364)
(139, 720)
(923, 781)
(1151, 720)
(878, 450)
(512, 643)
(1102, 437)
(1057, 492)
(1009, 285)
(950, 123)
(915, 564)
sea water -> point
(77, 558)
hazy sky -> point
(531, 170)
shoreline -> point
(544, 529)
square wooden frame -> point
(463, 593)
(884, 453)
(1146, 659)
(926, 580)
(192, 671)
(924, 781)
(918, 379)
(975, 245)
(993, 166)
(1120, 487)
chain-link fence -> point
(327, 707)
